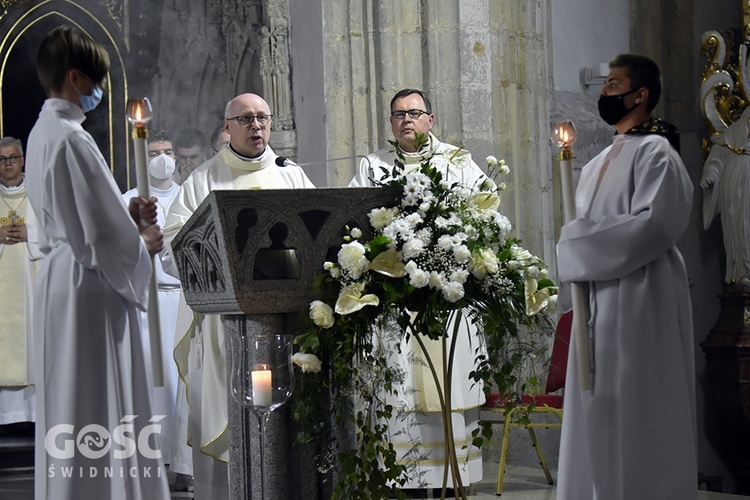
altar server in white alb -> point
(19, 258)
(94, 435)
(246, 162)
(418, 420)
(164, 189)
(633, 435)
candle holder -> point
(262, 379)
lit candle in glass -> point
(261, 379)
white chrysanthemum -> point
(328, 265)
(321, 314)
(503, 223)
(413, 220)
(459, 276)
(352, 259)
(445, 242)
(461, 253)
(502, 186)
(442, 222)
(472, 233)
(411, 199)
(412, 248)
(424, 234)
(381, 217)
(491, 161)
(452, 291)
(437, 279)
(419, 279)
(504, 169)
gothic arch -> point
(21, 95)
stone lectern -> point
(253, 256)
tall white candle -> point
(262, 387)
(140, 153)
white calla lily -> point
(351, 299)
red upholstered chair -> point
(543, 403)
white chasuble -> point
(17, 265)
(202, 336)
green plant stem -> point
(445, 406)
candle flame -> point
(564, 134)
(138, 111)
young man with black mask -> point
(628, 437)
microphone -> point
(283, 162)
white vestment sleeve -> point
(616, 245)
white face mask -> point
(161, 167)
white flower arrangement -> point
(441, 249)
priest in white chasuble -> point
(416, 428)
(19, 256)
(96, 436)
(246, 162)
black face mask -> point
(612, 107)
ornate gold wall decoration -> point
(725, 84)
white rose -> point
(308, 362)
(321, 314)
(356, 233)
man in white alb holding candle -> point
(247, 162)
(90, 368)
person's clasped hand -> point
(10, 234)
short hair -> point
(190, 137)
(67, 48)
(405, 92)
(643, 72)
(11, 141)
(159, 136)
(215, 134)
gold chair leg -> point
(542, 460)
(504, 452)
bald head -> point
(252, 138)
